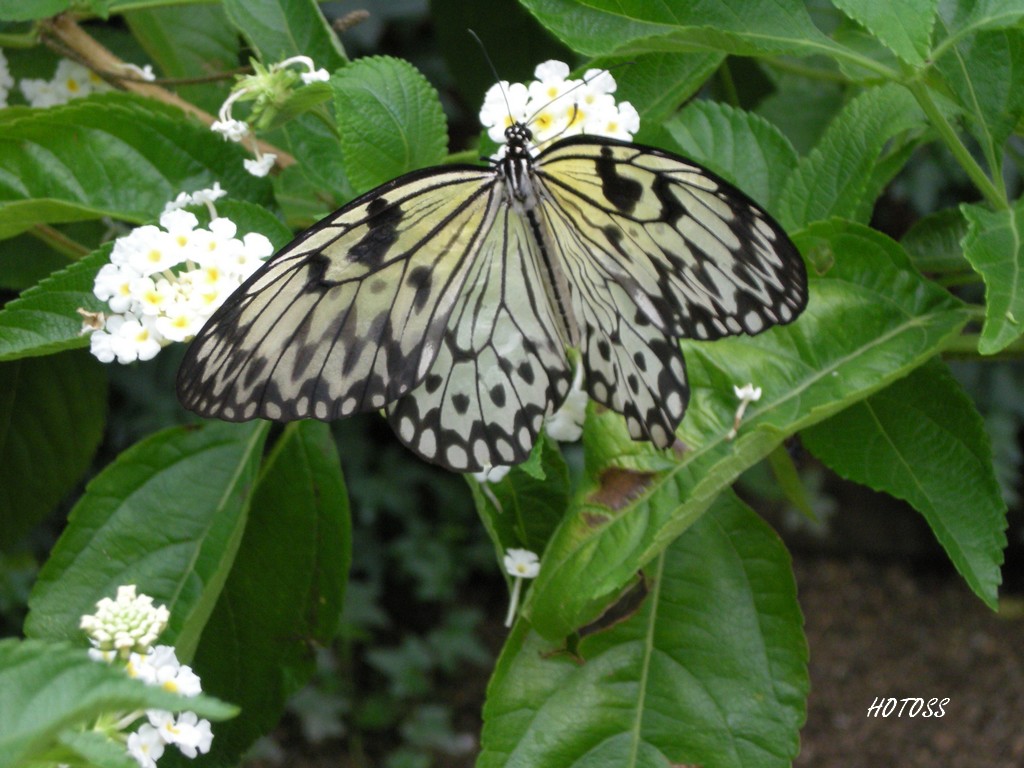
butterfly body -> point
(451, 298)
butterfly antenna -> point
(583, 81)
(494, 71)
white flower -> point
(113, 285)
(41, 93)
(315, 76)
(142, 73)
(232, 130)
(520, 564)
(188, 733)
(6, 81)
(504, 104)
(566, 424)
(136, 339)
(128, 624)
(210, 195)
(146, 745)
(260, 165)
(70, 81)
(747, 394)
(152, 297)
(555, 106)
(493, 474)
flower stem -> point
(949, 136)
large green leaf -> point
(52, 410)
(111, 155)
(905, 28)
(390, 119)
(48, 690)
(19, 10)
(167, 515)
(711, 670)
(280, 29)
(922, 440)
(255, 650)
(745, 149)
(985, 74)
(601, 27)
(870, 320)
(837, 178)
(994, 245)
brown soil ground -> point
(884, 630)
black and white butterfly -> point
(452, 297)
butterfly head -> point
(518, 139)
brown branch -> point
(66, 31)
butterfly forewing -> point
(350, 315)
(697, 255)
(502, 365)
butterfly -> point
(456, 299)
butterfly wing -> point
(502, 365)
(657, 249)
(631, 365)
(351, 314)
(697, 256)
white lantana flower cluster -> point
(163, 283)
(70, 81)
(126, 625)
(555, 106)
(124, 629)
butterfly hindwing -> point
(630, 365)
(350, 315)
(698, 256)
(502, 366)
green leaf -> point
(280, 29)
(712, 670)
(905, 28)
(933, 243)
(166, 515)
(746, 27)
(985, 74)
(19, 10)
(993, 246)
(922, 440)
(189, 41)
(525, 507)
(255, 648)
(837, 177)
(52, 410)
(129, 157)
(48, 689)
(494, 22)
(657, 83)
(44, 320)
(801, 108)
(965, 16)
(870, 320)
(95, 748)
(390, 119)
(743, 148)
